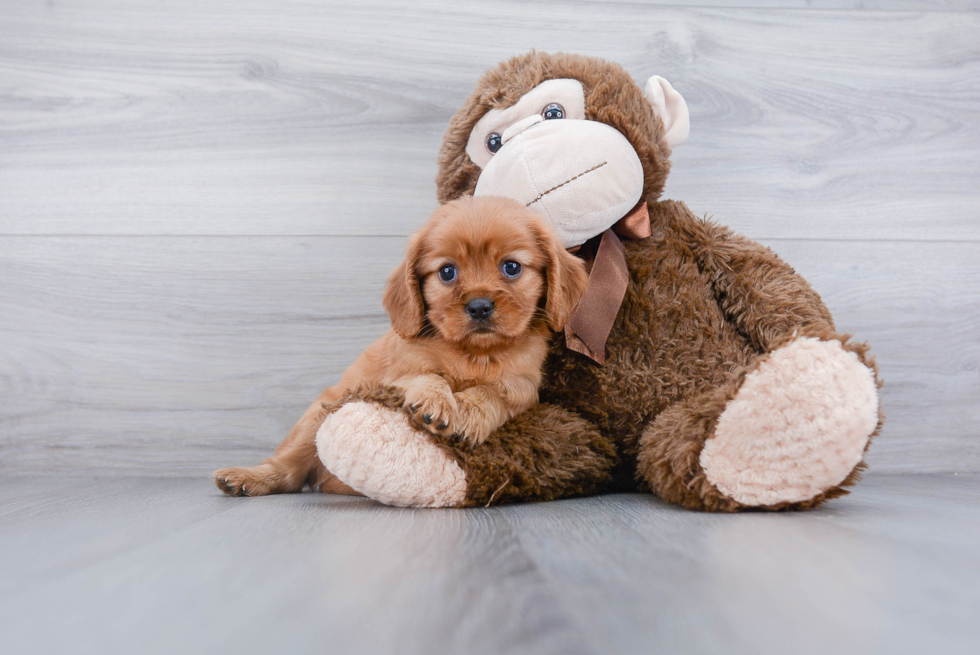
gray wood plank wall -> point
(199, 201)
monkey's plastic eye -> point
(447, 273)
(554, 110)
(494, 141)
(511, 269)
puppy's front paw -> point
(475, 428)
(243, 482)
(472, 438)
(433, 412)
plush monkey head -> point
(571, 137)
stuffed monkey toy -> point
(698, 367)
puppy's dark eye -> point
(552, 111)
(447, 273)
(494, 141)
(511, 269)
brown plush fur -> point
(546, 453)
(462, 376)
(702, 309)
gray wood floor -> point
(199, 201)
(151, 565)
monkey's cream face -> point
(583, 175)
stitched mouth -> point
(571, 179)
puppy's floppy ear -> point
(567, 280)
(403, 293)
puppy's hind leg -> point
(294, 463)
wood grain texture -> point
(169, 566)
(199, 202)
(152, 353)
(189, 572)
(838, 580)
(860, 5)
(324, 118)
(169, 356)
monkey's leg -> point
(787, 432)
(542, 454)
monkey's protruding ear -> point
(670, 106)
(567, 282)
(403, 294)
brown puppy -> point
(471, 307)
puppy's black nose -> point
(480, 309)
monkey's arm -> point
(761, 294)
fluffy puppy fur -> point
(472, 305)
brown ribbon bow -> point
(587, 330)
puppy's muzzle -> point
(479, 309)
